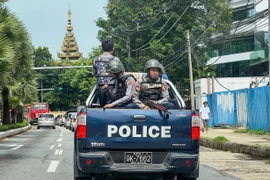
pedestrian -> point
(99, 68)
(205, 115)
(152, 87)
(122, 93)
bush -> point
(221, 139)
(13, 126)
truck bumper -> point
(102, 162)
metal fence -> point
(244, 108)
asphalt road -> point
(47, 154)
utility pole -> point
(128, 46)
(190, 72)
(41, 92)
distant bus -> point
(31, 112)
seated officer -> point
(122, 93)
(152, 87)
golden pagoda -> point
(70, 48)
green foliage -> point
(246, 130)
(255, 131)
(154, 29)
(71, 86)
(13, 126)
(220, 139)
(15, 62)
(42, 56)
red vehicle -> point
(32, 112)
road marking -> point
(60, 152)
(56, 152)
(59, 140)
(52, 147)
(53, 166)
(59, 145)
(61, 134)
(17, 147)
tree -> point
(42, 56)
(157, 29)
(16, 46)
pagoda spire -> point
(69, 48)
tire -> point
(53, 127)
(78, 174)
(38, 127)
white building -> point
(206, 86)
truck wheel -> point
(78, 174)
(38, 127)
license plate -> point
(138, 157)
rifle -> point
(159, 107)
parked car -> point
(46, 120)
(73, 124)
(69, 120)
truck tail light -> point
(81, 127)
(195, 130)
(88, 162)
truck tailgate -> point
(138, 129)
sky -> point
(46, 21)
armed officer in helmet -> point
(122, 93)
(152, 87)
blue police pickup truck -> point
(135, 142)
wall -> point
(243, 108)
(231, 83)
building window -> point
(243, 13)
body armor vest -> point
(151, 90)
(101, 68)
(122, 86)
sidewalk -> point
(12, 132)
(251, 144)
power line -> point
(157, 18)
(176, 59)
(155, 34)
(169, 29)
(241, 19)
(209, 26)
(221, 84)
(232, 36)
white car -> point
(46, 120)
(73, 124)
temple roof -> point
(70, 49)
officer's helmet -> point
(153, 63)
(115, 66)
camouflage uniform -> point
(148, 89)
(100, 68)
(103, 77)
(123, 91)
